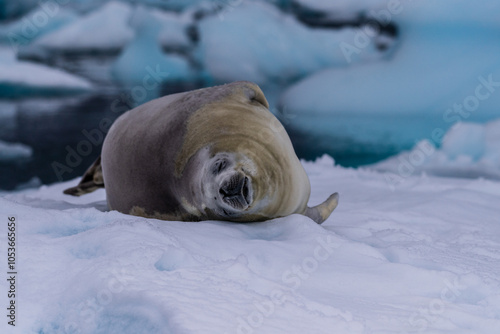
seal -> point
(215, 153)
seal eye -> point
(219, 166)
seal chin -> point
(236, 191)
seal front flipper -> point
(91, 181)
(321, 212)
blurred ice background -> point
(359, 80)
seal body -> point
(212, 153)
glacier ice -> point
(105, 29)
(14, 151)
(468, 150)
(142, 65)
(437, 74)
(22, 78)
(254, 41)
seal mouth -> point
(236, 191)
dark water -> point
(53, 128)
(66, 135)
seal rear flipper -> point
(321, 212)
(91, 181)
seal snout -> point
(236, 191)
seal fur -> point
(212, 153)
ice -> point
(467, 150)
(173, 33)
(9, 8)
(278, 49)
(42, 20)
(419, 85)
(423, 257)
(22, 78)
(14, 151)
(467, 139)
(143, 64)
(175, 5)
(105, 29)
(344, 9)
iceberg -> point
(42, 20)
(10, 9)
(174, 5)
(174, 30)
(14, 151)
(467, 150)
(342, 10)
(105, 29)
(255, 41)
(22, 78)
(438, 73)
(142, 66)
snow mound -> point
(21, 78)
(277, 48)
(14, 151)
(105, 29)
(467, 150)
(424, 258)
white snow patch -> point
(424, 257)
(467, 150)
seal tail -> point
(321, 212)
(91, 181)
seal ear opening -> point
(254, 93)
(321, 212)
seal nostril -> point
(222, 192)
(245, 189)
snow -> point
(14, 151)
(255, 41)
(467, 150)
(104, 29)
(21, 78)
(421, 257)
